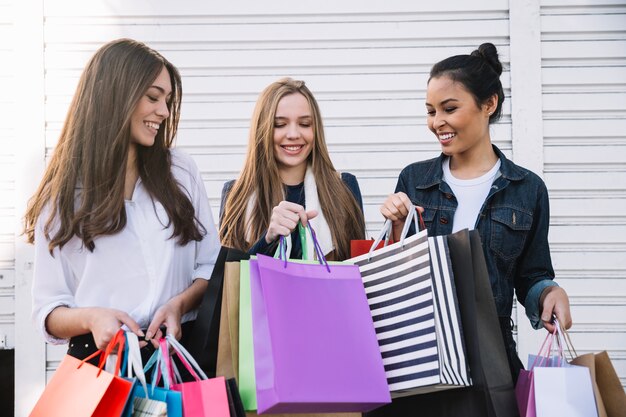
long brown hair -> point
(83, 186)
(260, 176)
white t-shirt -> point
(470, 195)
(135, 270)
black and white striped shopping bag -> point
(412, 299)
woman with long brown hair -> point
(121, 224)
(288, 178)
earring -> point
(490, 113)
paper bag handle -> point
(413, 216)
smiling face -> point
(293, 137)
(151, 110)
(461, 126)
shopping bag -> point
(144, 407)
(247, 382)
(203, 343)
(148, 398)
(525, 387)
(558, 388)
(564, 392)
(608, 391)
(79, 389)
(234, 400)
(137, 404)
(363, 246)
(491, 393)
(203, 397)
(588, 361)
(242, 340)
(228, 345)
(609, 386)
(315, 348)
(493, 389)
(412, 299)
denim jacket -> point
(513, 226)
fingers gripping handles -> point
(414, 216)
(318, 250)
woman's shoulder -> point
(228, 185)
(348, 178)
(182, 159)
(183, 166)
(521, 175)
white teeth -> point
(446, 136)
(152, 125)
(292, 148)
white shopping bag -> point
(564, 392)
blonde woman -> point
(287, 178)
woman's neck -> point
(474, 162)
(292, 175)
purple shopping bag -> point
(315, 349)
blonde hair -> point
(260, 176)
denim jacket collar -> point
(434, 175)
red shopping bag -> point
(361, 247)
(203, 397)
(79, 389)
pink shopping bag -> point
(203, 397)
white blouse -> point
(138, 269)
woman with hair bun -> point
(473, 185)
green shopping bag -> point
(247, 384)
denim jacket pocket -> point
(428, 215)
(509, 228)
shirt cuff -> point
(262, 247)
(42, 325)
(532, 301)
(203, 271)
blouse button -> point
(448, 196)
(443, 220)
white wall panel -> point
(368, 69)
(367, 63)
(8, 218)
(584, 107)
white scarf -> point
(319, 224)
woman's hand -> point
(285, 218)
(554, 300)
(168, 315)
(105, 322)
(396, 208)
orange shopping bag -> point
(79, 389)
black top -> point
(293, 194)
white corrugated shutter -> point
(367, 63)
(7, 177)
(583, 49)
(367, 68)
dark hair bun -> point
(488, 52)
